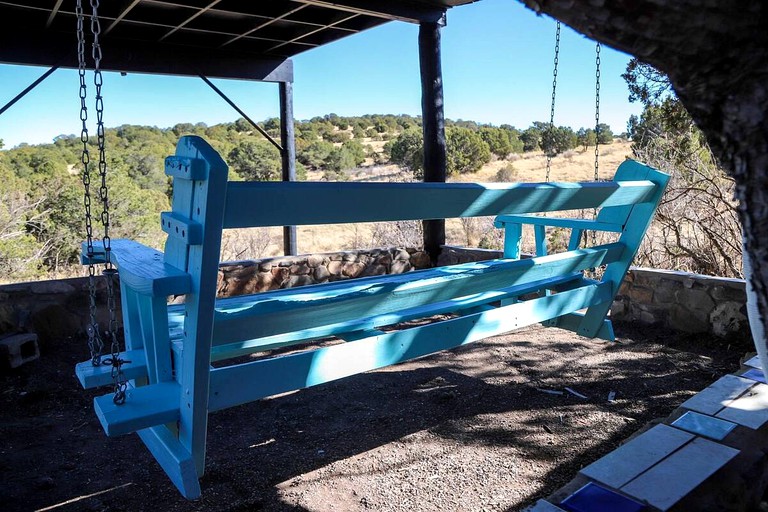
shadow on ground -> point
(469, 429)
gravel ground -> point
(465, 430)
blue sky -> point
(497, 68)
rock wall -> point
(255, 276)
(57, 310)
(683, 302)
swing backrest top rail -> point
(171, 347)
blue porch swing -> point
(164, 382)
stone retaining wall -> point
(56, 310)
(682, 301)
(255, 276)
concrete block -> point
(680, 474)
(637, 456)
(714, 398)
(19, 349)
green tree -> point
(531, 138)
(466, 150)
(604, 134)
(315, 154)
(407, 151)
(498, 140)
(256, 161)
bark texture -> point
(715, 53)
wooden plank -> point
(572, 322)
(541, 240)
(312, 306)
(143, 269)
(182, 228)
(750, 409)
(238, 384)
(206, 208)
(144, 407)
(227, 350)
(680, 474)
(638, 455)
(175, 460)
(153, 312)
(186, 168)
(581, 224)
(713, 398)
(94, 376)
(632, 235)
(254, 204)
(513, 235)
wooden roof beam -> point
(408, 11)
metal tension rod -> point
(25, 91)
(239, 111)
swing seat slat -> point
(142, 268)
(144, 407)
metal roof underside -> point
(245, 39)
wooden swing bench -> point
(173, 386)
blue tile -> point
(755, 374)
(595, 498)
(703, 425)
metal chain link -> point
(95, 343)
(597, 130)
(118, 377)
(597, 111)
(554, 91)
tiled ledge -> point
(709, 454)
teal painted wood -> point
(582, 224)
(541, 240)
(238, 384)
(226, 349)
(144, 407)
(186, 168)
(143, 269)
(153, 312)
(307, 203)
(309, 307)
(183, 228)
(175, 460)
(96, 376)
(171, 396)
(635, 226)
(206, 207)
(513, 236)
(572, 322)
(575, 239)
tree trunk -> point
(716, 56)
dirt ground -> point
(464, 430)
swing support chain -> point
(95, 342)
(554, 91)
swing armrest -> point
(141, 268)
(581, 224)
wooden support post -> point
(288, 154)
(433, 125)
